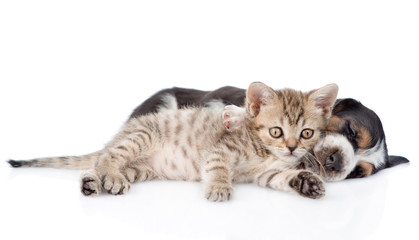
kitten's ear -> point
(324, 98)
(258, 94)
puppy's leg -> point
(363, 169)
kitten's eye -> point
(275, 132)
(307, 133)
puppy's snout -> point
(333, 162)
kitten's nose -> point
(291, 144)
(291, 148)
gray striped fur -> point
(192, 144)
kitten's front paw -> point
(308, 185)
(233, 117)
(219, 193)
(115, 183)
(90, 184)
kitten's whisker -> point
(316, 164)
(321, 168)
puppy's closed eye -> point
(350, 129)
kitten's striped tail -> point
(67, 162)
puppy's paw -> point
(115, 183)
(233, 117)
(90, 184)
(363, 169)
(308, 185)
(219, 192)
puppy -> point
(354, 145)
(355, 137)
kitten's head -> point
(287, 121)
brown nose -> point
(291, 144)
(291, 148)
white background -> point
(71, 72)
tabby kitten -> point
(192, 144)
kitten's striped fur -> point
(192, 144)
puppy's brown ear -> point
(258, 95)
(324, 98)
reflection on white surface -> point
(48, 203)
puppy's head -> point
(354, 144)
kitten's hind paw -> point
(138, 174)
(233, 117)
(90, 184)
(116, 184)
(308, 185)
(217, 193)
